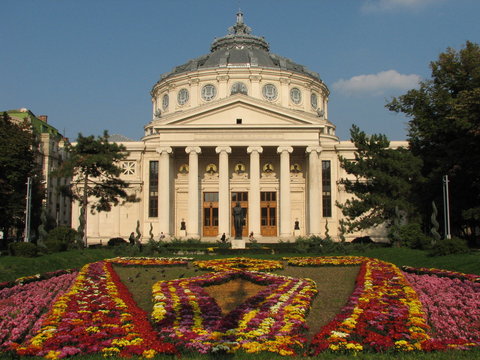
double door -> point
(210, 214)
(268, 213)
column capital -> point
(226, 149)
(164, 149)
(281, 149)
(258, 149)
(195, 149)
(317, 149)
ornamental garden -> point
(177, 307)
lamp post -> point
(28, 209)
(446, 207)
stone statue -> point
(238, 220)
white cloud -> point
(381, 83)
(388, 5)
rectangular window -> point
(326, 188)
(153, 189)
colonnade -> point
(224, 206)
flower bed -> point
(273, 320)
(442, 273)
(326, 260)
(22, 307)
(239, 263)
(94, 317)
(146, 261)
(383, 313)
(32, 278)
(453, 308)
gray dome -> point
(240, 49)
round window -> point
(182, 97)
(270, 92)
(314, 100)
(296, 95)
(165, 101)
(208, 92)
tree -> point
(381, 180)
(17, 162)
(93, 167)
(444, 130)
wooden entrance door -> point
(268, 213)
(242, 198)
(210, 214)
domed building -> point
(238, 125)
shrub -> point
(25, 249)
(412, 236)
(117, 241)
(61, 238)
(454, 245)
(362, 240)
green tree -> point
(380, 179)
(444, 130)
(17, 163)
(93, 167)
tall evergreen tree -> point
(17, 163)
(444, 130)
(380, 179)
(93, 166)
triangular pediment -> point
(239, 109)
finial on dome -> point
(239, 28)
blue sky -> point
(90, 65)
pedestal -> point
(238, 244)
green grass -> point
(12, 268)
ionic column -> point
(193, 225)
(285, 202)
(224, 208)
(314, 190)
(254, 195)
(164, 189)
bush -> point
(25, 249)
(412, 236)
(362, 240)
(117, 241)
(61, 238)
(454, 245)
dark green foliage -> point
(24, 249)
(383, 183)
(61, 238)
(17, 163)
(412, 236)
(444, 130)
(93, 167)
(454, 245)
(118, 241)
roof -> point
(38, 126)
(239, 49)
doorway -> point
(210, 214)
(268, 213)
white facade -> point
(237, 125)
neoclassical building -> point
(239, 124)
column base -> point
(238, 244)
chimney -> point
(43, 118)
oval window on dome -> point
(208, 92)
(165, 101)
(270, 92)
(296, 95)
(314, 100)
(239, 88)
(182, 96)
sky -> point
(90, 65)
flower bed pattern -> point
(94, 317)
(22, 307)
(239, 263)
(453, 308)
(383, 312)
(442, 273)
(272, 320)
(32, 278)
(146, 261)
